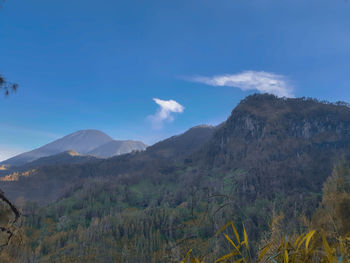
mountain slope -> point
(113, 148)
(184, 144)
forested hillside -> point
(269, 160)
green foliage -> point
(108, 221)
(309, 247)
(331, 243)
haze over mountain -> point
(83, 142)
(66, 157)
(113, 148)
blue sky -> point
(101, 64)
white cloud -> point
(165, 112)
(264, 82)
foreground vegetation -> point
(309, 247)
(331, 243)
(80, 228)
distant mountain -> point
(113, 148)
(83, 142)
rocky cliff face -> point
(283, 145)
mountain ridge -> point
(277, 143)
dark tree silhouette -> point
(7, 87)
(7, 230)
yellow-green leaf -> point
(187, 256)
(286, 256)
(264, 251)
(308, 239)
(224, 227)
(236, 233)
(328, 249)
(232, 243)
(298, 239)
(245, 237)
(225, 257)
(302, 241)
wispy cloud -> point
(165, 112)
(15, 139)
(7, 152)
(264, 82)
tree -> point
(334, 213)
(6, 86)
(5, 211)
(7, 208)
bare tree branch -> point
(17, 215)
(10, 235)
(12, 206)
